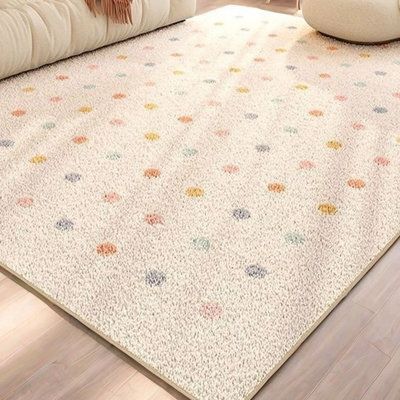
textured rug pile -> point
(202, 196)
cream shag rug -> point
(202, 196)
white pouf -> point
(364, 21)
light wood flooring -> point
(353, 355)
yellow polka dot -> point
(178, 72)
(39, 159)
(334, 144)
(280, 50)
(86, 109)
(122, 57)
(301, 86)
(398, 140)
(219, 23)
(152, 136)
(365, 55)
(243, 89)
(234, 70)
(28, 89)
(327, 208)
(150, 106)
(194, 192)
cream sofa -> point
(363, 21)
(38, 32)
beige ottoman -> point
(364, 21)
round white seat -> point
(364, 21)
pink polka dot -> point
(222, 133)
(213, 103)
(93, 66)
(266, 78)
(231, 169)
(62, 77)
(204, 62)
(312, 58)
(306, 164)
(154, 219)
(150, 83)
(397, 95)
(340, 97)
(358, 126)
(117, 122)
(112, 197)
(382, 161)
(25, 202)
(55, 99)
(211, 311)
(148, 48)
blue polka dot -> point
(380, 73)
(89, 87)
(173, 39)
(6, 143)
(120, 75)
(245, 29)
(209, 81)
(262, 148)
(291, 67)
(256, 271)
(155, 277)
(64, 224)
(229, 52)
(290, 129)
(380, 110)
(251, 116)
(360, 84)
(149, 64)
(241, 213)
(292, 27)
(73, 177)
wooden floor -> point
(354, 354)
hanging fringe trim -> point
(118, 11)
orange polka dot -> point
(259, 59)
(316, 113)
(152, 173)
(231, 169)
(62, 77)
(194, 192)
(154, 219)
(119, 96)
(356, 183)
(79, 139)
(276, 187)
(332, 48)
(243, 89)
(327, 208)
(18, 113)
(185, 119)
(106, 249)
(324, 76)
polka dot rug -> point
(202, 196)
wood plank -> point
(9, 290)
(18, 309)
(387, 385)
(351, 376)
(380, 282)
(27, 332)
(307, 366)
(384, 330)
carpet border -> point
(257, 388)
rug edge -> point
(50, 299)
(319, 321)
